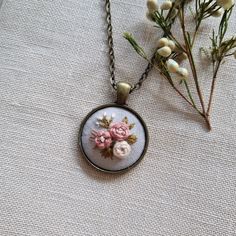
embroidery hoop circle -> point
(141, 122)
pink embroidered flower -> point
(102, 139)
(119, 131)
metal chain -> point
(112, 56)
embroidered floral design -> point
(102, 139)
(121, 149)
(114, 139)
(119, 131)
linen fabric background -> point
(53, 71)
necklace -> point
(113, 137)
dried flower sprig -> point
(170, 51)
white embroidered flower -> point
(121, 149)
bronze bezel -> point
(123, 107)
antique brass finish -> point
(123, 90)
(128, 109)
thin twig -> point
(191, 97)
(213, 87)
(192, 65)
(191, 61)
(191, 103)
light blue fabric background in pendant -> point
(94, 154)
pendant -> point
(114, 138)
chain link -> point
(112, 56)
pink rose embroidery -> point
(119, 131)
(113, 139)
(102, 139)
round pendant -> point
(113, 138)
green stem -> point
(192, 65)
(195, 33)
(168, 78)
(190, 96)
(213, 87)
(228, 55)
(191, 61)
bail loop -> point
(123, 90)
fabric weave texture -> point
(53, 71)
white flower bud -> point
(171, 44)
(226, 4)
(218, 13)
(172, 66)
(152, 5)
(183, 73)
(164, 51)
(149, 16)
(182, 56)
(173, 13)
(166, 5)
(162, 42)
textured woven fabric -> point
(53, 71)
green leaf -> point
(135, 45)
(131, 126)
(125, 120)
(132, 139)
(107, 153)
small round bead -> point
(164, 51)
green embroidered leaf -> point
(132, 139)
(107, 153)
(125, 120)
(105, 122)
(131, 126)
